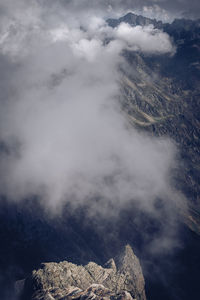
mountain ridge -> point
(169, 104)
(139, 20)
(64, 280)
(161, 98)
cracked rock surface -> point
(120, 278)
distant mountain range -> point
(177, 28)
(134, 20)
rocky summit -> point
(120, 278)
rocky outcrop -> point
(135, 20)
(121, 278)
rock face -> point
(161, 97)
(134, 20)
(121, 278)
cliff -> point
(120, 278)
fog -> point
(64, 137)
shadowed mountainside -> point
(160, 95)
(121, 278)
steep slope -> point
(134, 20)
(64, 280)
(161, 95)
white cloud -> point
(146, 39)
(156, 12)
(67, 137)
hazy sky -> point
(162, 8)
(166, 10)
(157, 8)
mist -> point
(65, 139)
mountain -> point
(121, 278)
(160, 96)
(179, 28)
(134, 20)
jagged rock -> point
(128, 264)
(121, 278)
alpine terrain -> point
(152, 252)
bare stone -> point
(119, 279)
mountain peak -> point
(134, 20)
(64, 279)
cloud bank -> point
(63, 135)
